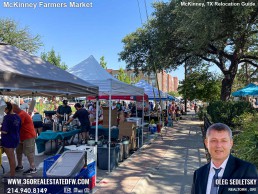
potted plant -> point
(152, 126)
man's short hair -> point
(65, 102)
(219, 127)
(78, 105)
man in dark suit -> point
(219, 143)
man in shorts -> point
(83, 116)
(27, 141)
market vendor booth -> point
(91, 71)
(22, 74)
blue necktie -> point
(214, 188)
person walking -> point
(10, 135)
(219, 142)
(27, 141)
(195, 108)
(83, 115)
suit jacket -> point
(235, 169)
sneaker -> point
(19, 168)
(30, 171)
(83, 142)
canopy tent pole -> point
(19, 101)
(85, 103)
(96, 134)
(167, 105)
(109, 131)
(142, 116)
(136, 112)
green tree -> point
(174, 93)
(54, 59)
(123, 77)
(225, 36)
(246, 74)
(136, 79)
(246, 142)
(103, 63)
(11, 33)
(201, 84)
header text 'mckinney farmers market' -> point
(42, 4)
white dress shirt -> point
(212, 173)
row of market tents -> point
(91, 71)
(22, 74)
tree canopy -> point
(54, 59)
(225, 36)
(11, 33)
(103, 63)
(201, 84)
(123, 77)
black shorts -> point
(85, 128)
(38, 124)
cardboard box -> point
(121, 117)
(106, 116)
(105, 126)
(127, 129)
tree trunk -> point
(228, 80)
(226, 88)
(227, 83)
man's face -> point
(219, 145)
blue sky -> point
(77, 33)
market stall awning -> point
(249, 90)
(117, 97)
(24, 74)
(152, 92)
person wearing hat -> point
(62, 110)
(83, 115)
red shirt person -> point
(27, 141)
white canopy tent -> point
(22, 74)
(91, 71)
